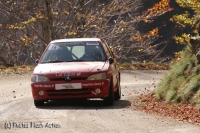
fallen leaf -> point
(129, 94)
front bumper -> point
(87, 90)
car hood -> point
(80, 69)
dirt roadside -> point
(17, 109)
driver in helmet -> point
(91, 53)
(63, 54)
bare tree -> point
(28, 26)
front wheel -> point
(38, 103)
(110, 99)
(118, 92)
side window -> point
(107, 50)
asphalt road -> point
(18, 113)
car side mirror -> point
(111, 60)
(36, 61)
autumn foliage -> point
(182, 112)
(28, 26)
(182, 83)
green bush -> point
(182, 83)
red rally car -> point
(76, 68)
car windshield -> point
(73, 51)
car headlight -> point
(98, 76)
(39, 78)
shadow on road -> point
(84, 104)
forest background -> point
(137, 30)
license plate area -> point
(68, 86)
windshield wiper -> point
(78, 60)
(96, 60)
(74, 60)
(86, 60)
(53, 61)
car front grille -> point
(63, 79)
(69, 92)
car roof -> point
(75, 40)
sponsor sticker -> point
(53, 47)
(58, 74)
(44, 86)
(92, 84)
(92, 43)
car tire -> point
(117, 94)
(38, 103)
(110, 99)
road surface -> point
(18, 113)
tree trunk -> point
(47, 24)
(195, 47)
